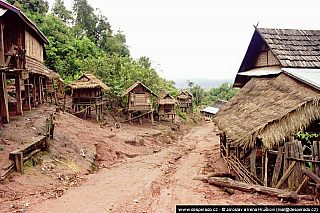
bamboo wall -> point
(266, 58)
(33, 46)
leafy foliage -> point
(82, 41)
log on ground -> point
(238, 185)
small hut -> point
(185, 101)
(279, 97)
(166, 106)
(139, 100)
(87, 92)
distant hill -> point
(206, 84)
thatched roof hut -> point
(137, 84)
(268, 109)
(166, 98)
(280, 80)
(87, 81)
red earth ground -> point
(99, 168)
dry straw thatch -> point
(166, 98)
(87, 81)
(269, 109)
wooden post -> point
(18, 161)
(34, 91)
(238, 152)
(18, 94)
(151, 115)
(315, 156)
(2, 62)
(286, 174)
(277, 167)
(253, 156)
(4, 98)
(266, 169)
(39, 90)
(27, 94)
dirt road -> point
(156, 182)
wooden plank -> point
(313, 176)
(277, 167)
(300, 166)
(18, 94)
(286, 174)
(303, 184)
(315, 157)
(253, 156)
(238, 185)
(38, 143)
(4, 98)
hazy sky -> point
(200, 38)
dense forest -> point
(82, 40)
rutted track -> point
(157, 182)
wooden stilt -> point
(253, 161)
(18, 94)
(151, 115)
(27, 94)
(2, 62)
(4, 98)
(277, 167)
(34, 97)
(39, 90)
(266, 169)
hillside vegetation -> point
(82, 40)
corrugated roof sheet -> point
(310, 77)
(211, 110)
(262, 71)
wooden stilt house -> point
(139, 100)
(87, 95)
(279, 97)
(166, 106)
(185, 101)
(21, 58)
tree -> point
(32, 6)
(61, 11)
(86, 20)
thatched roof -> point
(289, 48)
(134, 86)
(185, 94)
(269, 109)
(37, 67)
(87, 81)
(166, 98)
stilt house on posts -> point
(166, 104)
(185, 101)
(139, 100)
(87, 95)
(21, 59)
(279, 97)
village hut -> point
(87, 92)
(211, 110)
(139, 100)
(21, 59)
(166, 106)
(185, 101)
(279, 97)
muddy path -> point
(156, 182)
